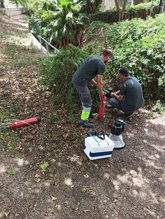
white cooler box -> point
(97, 148)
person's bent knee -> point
(113, 103)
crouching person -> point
(129, 98)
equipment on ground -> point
(20, 123)
(103, 103)
(116, 133)
(98, 146)
(101, 114)
(108, 91)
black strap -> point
(100, 135)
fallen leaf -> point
(88, 191)
(65, 136)
(37, 180)
(53, 198)
(44, 166)
(11, 171)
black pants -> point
(121, 105)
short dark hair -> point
(124, 71)
(107, 52)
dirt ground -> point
(130, 185)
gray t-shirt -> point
(133, 93)
(88, 70)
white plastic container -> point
(96, 148)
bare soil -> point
(130, 185)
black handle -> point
(99, 136)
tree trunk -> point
(120, 11)
(123, 9)
(117, 5)
(160, 5)
(124, 5)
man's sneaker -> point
(86, 123)
(92, 115)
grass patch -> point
(54, 117)
(19, 56)
(8, 140)
(3, 66)
(23, 61)
(2, 12)
(157, 110)
(3, 35)
(159, 107)
(12, 50)
(152, 115)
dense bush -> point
(56, 75)
(137, 44)
(139, 11)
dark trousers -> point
(85, 95)
(121, 105)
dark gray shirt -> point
(88, 70)
(133, 93)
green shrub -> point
(56, 75)
(159, 107)
(138, 45)
(60, 22)
(142, 10)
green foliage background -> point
(137, 44)
(142, 10)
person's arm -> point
(100, 85)
(101, 70)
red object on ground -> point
(101, 114)
(25, 122)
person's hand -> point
(93, 82)
(112, 94)
(101, 94)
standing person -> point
(130, 96)
(93, 66)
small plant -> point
(159, 107)
(54, 117)
(73, 118)
(11, 171)
(3, 117)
